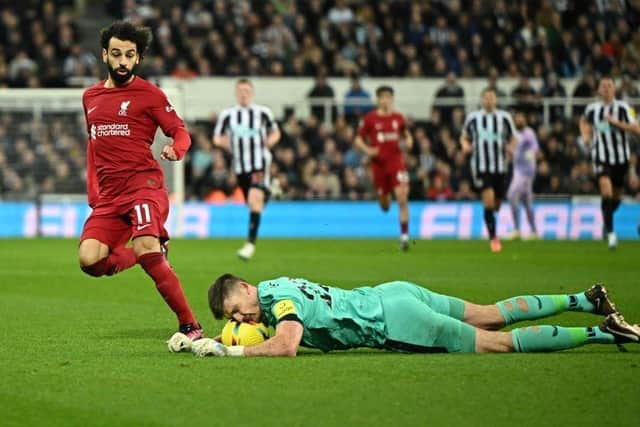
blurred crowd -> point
(40, 46)
(388, 38)
(41, 156)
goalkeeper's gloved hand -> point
(208, 347)
(179, 342)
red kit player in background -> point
(383, 128)
(125, 184)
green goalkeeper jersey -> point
(333, 319)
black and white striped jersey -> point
(609, 144)
(490, 133)
(247, 128)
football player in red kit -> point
(125, 184)
(383, 128)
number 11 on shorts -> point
(143, 215)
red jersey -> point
(383, 131)
(122, 123)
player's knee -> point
(87, 259)
(145, 244)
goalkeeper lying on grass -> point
(399, 316)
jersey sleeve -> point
(589, 113)
(267, 118)
(511, 128)
(629, 114)
(365, 127)
(466, 128)
(93, 190)
(163, 113)
(222, 124)
(403, 124)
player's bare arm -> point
(222, 141)
(628, 127)
(284, 343)
(363, 147)
(408, 140)
(465, 143)
(585, 131)
(511, 147)
(273, 138)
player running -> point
(603, 127)
(487, 135)
(125, 184)
(400, 316)
(524, 173)
(382, 128)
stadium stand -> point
(44, 46)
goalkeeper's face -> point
(242, 304)
(121, 59)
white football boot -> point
(246, 252)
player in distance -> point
(524, 173)
(125, 184)
(383, 129)
(400, 316)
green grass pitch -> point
(79, 351)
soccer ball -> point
(243, 333)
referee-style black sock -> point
(490, 221)
(607, 213)
(254, 223)
(616, 205)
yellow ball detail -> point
(243, 333)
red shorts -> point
(389, 174)
(142, 213)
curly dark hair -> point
(141, 36)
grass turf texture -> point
(82, 351)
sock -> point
(122, 258)
(607, 213)
(516, 217)
(615, 205)
(118, 260)
(528, 208)
(404, 228)
(531, 307)
(168, 285)
(554, 338)
(490, 221)
(254, 223)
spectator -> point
(451, 89)
(439, 189)
(553, 88)
(340, 13)
(324, 184)
(525, 96)
(321, 96)
(357, 101)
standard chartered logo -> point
(113, 129)
(488, 136)
(243, 131)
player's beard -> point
(120, 79)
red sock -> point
(119, 259)
(168, 285)
(122, 258)
(404, 227)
